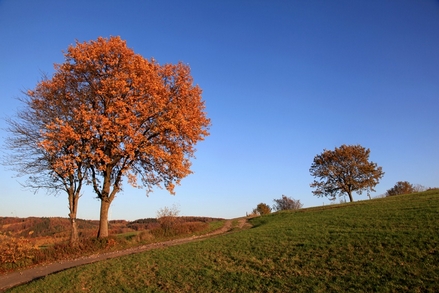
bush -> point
(16, 250)
(191, 227)
(168, 219)
(286, 203)
(262, 209)
(144, 236)
(401, 187)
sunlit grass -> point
(381, 245)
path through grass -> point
(382, 245)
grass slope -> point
(383, 245)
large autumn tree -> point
(130, 118)
(345, 170)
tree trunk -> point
(103, 222)
(73, 206)
(350, 196)
(74, 237)
(106, 195)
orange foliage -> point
(120, 115)
(14, 250)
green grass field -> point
(380, 245)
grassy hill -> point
(382, 245)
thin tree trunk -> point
(350, 196)
(73, 206)
(103, 222)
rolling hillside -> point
(382, 245)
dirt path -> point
(20, 277)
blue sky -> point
(282, 81)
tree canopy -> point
(120, 115)
(343, 171)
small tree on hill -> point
(343, 171)
(286, 203)
(44, 167)
(262, 209)
(401, 187)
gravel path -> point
(20, 277)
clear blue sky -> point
(282, 81)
